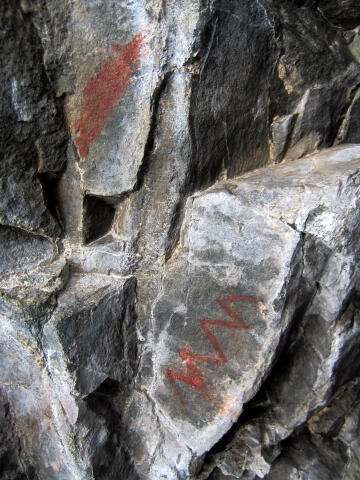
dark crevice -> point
(346, 107)
(110, 457)
(195, 176)
(98, 218)
(348, 366)
(49, 187)
(110, 460)
(287, 344)
(302, 294)
(155, 103)
(108, 388)
(173, 235)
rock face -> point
(179, 224)
(264, 261)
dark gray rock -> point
(54, 383)
(327, 446)
(229, 98)
(92, 308)
(32, 274)
(343, 13)
(317, 96)
(32, 134)
(17, 244)
(10, 466)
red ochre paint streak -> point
(192, 375)
(104, 90)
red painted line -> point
(236, 298)
(104, 90)
(193, 375)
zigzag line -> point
(192, 374)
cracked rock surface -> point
(179, 225)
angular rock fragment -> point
(31, 275)
(52, 363)
(254, 252)
(328, 446)
(90, 336)
(16, 244)
(89, 343)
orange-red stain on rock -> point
(192, 374)
(104, 90)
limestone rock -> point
(253, 253)
(49, 373)
(162, 316)
(197, 83)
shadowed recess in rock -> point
(98, 218)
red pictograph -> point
(192, 374)
(103, 91)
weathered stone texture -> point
(179, 254)
(253, 254)
(32, 130)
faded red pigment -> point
(104, 90)
(193, 375)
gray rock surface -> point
(253, 254)
(328, 445)
(49, 370)
(200, 82)
(32, 129)
(179, 256)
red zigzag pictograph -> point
(193, 375)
